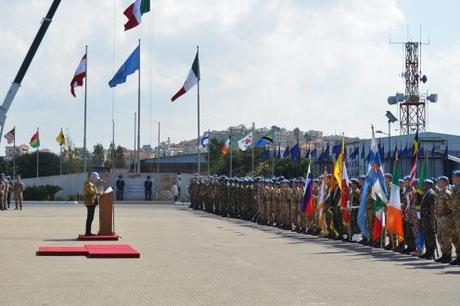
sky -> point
(316, 65)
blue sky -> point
(324, 65)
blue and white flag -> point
(375, 181)
(129, 67)
(204, 140)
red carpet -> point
(92, 251)
(62, 251)
(82, 237)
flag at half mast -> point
(192, 79)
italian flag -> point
(35, 140)
(192, 79)
(378, 221)
(134, 13)
(394, 220)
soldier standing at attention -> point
(454, 205)
(427, 219)
(120, 188)
(18, 190)
(148, 189)
(445, 220)
(9, 184)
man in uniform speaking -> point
(91, 200)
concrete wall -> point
(134, 184)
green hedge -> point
(41, 193)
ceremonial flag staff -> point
(231, 155)
(14, 154)
(139, 113)
(158, 149)
(253, 146)
(209, 151)
(85, 111)
(134, 146)
(273, 150)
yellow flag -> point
(60, 138)
(338, 168)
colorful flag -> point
(376, 181)
(60, 138)
(35, 140)
(192, 79)
(295, 152)
(378, 220)
(266, 140)
(423, 176)
(414, 158)
(134, 13)
(79, 75)
(345, 194)
(225, 147)
(10, 136)
(339, 165)
(245, 142)
(204, 140)
(129, 67)
(307, 200)
(394, 218)
(322, 222)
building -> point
(186, 163)
(20, 150)
(441, 150)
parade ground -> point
(193, 258)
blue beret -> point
(316, 180)
(407, 177)
(401, 181)
(443, 178)
(388, 175)
(362, 176)
(428, 181)
(456, 172)
(354, 180)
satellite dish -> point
(400, 97)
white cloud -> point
(315, 65)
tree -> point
(98, 155)
(297, 133)
(119, 161)
(26, 164)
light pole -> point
(391, 119)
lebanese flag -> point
(79, 75)
(134, 13)
(192, 79)
(394, 220)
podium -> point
(106, 213)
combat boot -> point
(455, 262)
(444, 259)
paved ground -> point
(191, 258)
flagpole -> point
(85, 110)
(252, 140)
(134, 145)
(198, 113)
(38, 149)
(158, 157)
(209, 151)
(60, 159)
(231, 155)
(273, 151)
(14, 154)
(139, 113)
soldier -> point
(18, 190)
(9, 190)
(355, 199)
(445, 220)
(120, 183)
(148, 189)
(427, 219)
(408, 216)
(454, 206)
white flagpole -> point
(85, 110)
(139, 113)
(38, 149)
(198, 116)
(209, 151)
(14, 154)
(253, 137)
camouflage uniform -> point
(427, 221)
(445, 222)
(454, 206)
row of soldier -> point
(430, 215)
(7, 188)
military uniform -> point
(18, 190)
(445, 224)
(454, 206)
(427, 221)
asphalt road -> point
(192, 258)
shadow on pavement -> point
(357, 250)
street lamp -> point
(391, 119)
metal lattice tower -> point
(412, 111)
